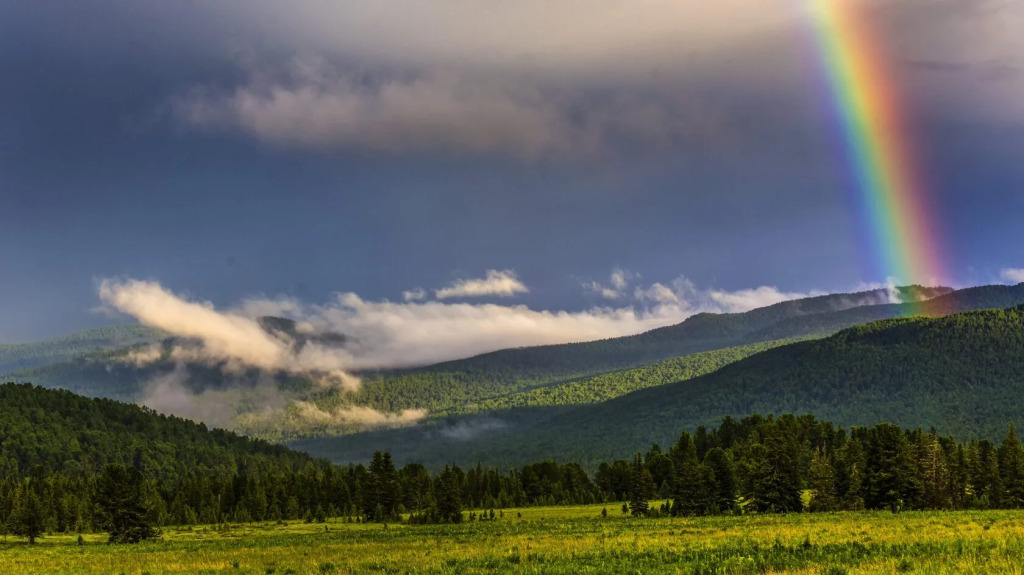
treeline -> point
(14, 357)
(960, 373)
(69, 463)
(446, 393)
(790, 464)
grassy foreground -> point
(562, 540)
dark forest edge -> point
(73, 464)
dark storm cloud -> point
(373, 146)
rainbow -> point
(878, 145)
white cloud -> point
(230, 337)
(379, 334)
(385, 334)
(616, 288)
(308, 418)
(1013, 275)
(746, 300)
(657, 292)
(619, 279)
(603, 291)
(497, 283)
(414, 294)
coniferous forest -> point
(73, 464)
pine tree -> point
(771, 471)
(822, 482)
(380, 496)
(690, 493)
(720, 464)
(853, 465)
(933, 473)
(447, 497)
(27, 516)
(1011, 470)
(985, 480)
(892, 480)
(122, 504)
(641, 487)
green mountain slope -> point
(527, 378)
(963, 374)
(18, 356)
(702, 332)
(489, 381)
(56, 428)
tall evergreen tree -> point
(380, 495)
(690, 493)
(641, 487)
(1011, 470)
(719, 463)
(448, 497)
(822, 482)
(892, 481)
(28, 516)
(933, 474)
(123, 506)
(986, 481)
(853, 469)
(772, 478)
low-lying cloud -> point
(330, 342)
(236, 340)
(743, 300)
(385, 334)
(1013, 275)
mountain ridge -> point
(958, 373)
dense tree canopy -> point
(69, 463)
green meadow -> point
(559, 540)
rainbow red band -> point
(878, 144)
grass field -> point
(561, 540)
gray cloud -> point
(575, 79)
(450, 112)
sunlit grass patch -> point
(559, 540)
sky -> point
(474, 174)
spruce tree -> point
(822, 482)
(1011, 470)
(27, 516)
(447, 498)
(720, 464)
(986, 482)
(690, 493)
(892, 480)
(641, 487)
(123, 505)
(933, 473)
(853, 466)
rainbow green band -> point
(877, 143)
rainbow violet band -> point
(878, 145)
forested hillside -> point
(702, 332)
(519, 387)
(459, 386)
(27, 355)
(64, 457)
(962, 374)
